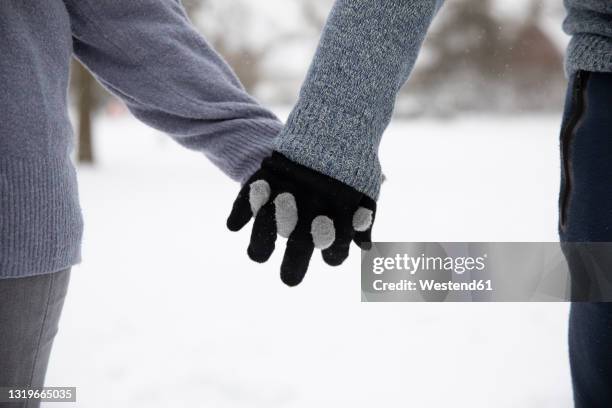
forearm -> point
(148, 54)
(366, 53)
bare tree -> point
(244, 57)
(315, 12)
(481, 60)
(84, 89)
(227, 26)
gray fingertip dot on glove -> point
(286, 214)
(259, 194)
(323, 232)
(362, 219)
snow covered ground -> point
(167, 311)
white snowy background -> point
(166, 309)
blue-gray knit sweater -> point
(147, 53)
(144, 51)
(367, 50)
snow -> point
(167, 311)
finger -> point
(322, 231)
(363, 239)
(259, 194)
(363, 220)
(362, 224)
(339, 250)
(286, 214)
(252, 197)
(241, 211)
(296, 259)
(263, 234)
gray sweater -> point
(144, 51)
(147, 53)
(365, 55)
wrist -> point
(341, 146)
(254, 144)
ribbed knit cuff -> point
(250, 143)
(40, 217)
(331, 142)
(589, 52)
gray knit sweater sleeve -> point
(589, 22)
(148, 53)
(366, 52)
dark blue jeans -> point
(585, 207)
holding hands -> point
(309, 208)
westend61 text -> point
(432, 285)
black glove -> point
(309, 208)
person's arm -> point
(320, 185)
(148, 53)
(367, 51)
(589, 24)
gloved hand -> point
(311, 209)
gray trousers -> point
(30, 309)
